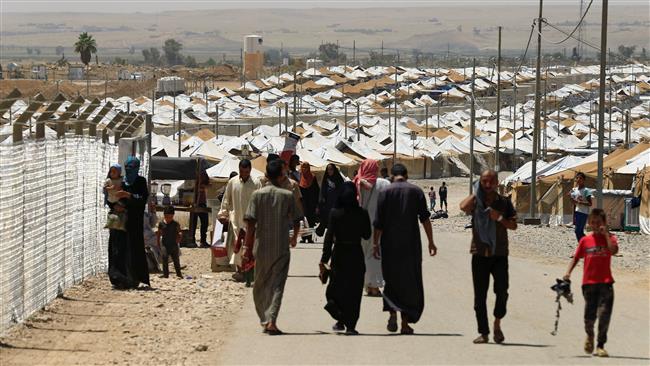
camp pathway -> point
(445, 332)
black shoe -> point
(351, 332)
(338, 327)
(164, 276)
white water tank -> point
(253, 43)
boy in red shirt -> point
(597, 249)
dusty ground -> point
(177, 322)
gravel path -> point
(180, 321)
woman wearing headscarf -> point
(348, 224)
(310, 193)
(329, 192)
(368, 186)
(127, 260)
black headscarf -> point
(347, 199)
(337, 179)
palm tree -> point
(86, 47)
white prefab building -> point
(76, 72)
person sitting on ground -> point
(169, 232)
(597, 249)
(492, 216)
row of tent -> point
(626, 174)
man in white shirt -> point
(239, 191)
(581, 198)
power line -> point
(523, 57)
(620, 57)
(570, 35)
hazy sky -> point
(131, 6)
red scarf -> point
(306, 177)
(368, 171)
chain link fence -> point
(52, 220)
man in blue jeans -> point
(581, 198)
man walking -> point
(492, 216)
(271, 212)
(237, 195)
(442, 193)
(399, 208)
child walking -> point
(170, 233)
(597, 249)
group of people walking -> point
(371, 241)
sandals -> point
(482, 339)
(392, 323)
(338, 327)
(498, 336)
(589, 345)
(273, 332)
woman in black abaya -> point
(127, 262)
(347, 225)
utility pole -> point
(439, 111)
(179, 132)
(536, 122)
(358, 123)
(286, 116)
(426, 134)
(601, 106)
(382, 51)
(241, 63)
(345, 119)
(471, 132)
(514, 124)
(395, 113)
(627, 129)
(216, 120)
(279, 120)
(354, 52)
(545, 113)
(294, 101)
(496, 152)
(389, 123)
(611, 106)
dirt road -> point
(445, 332)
